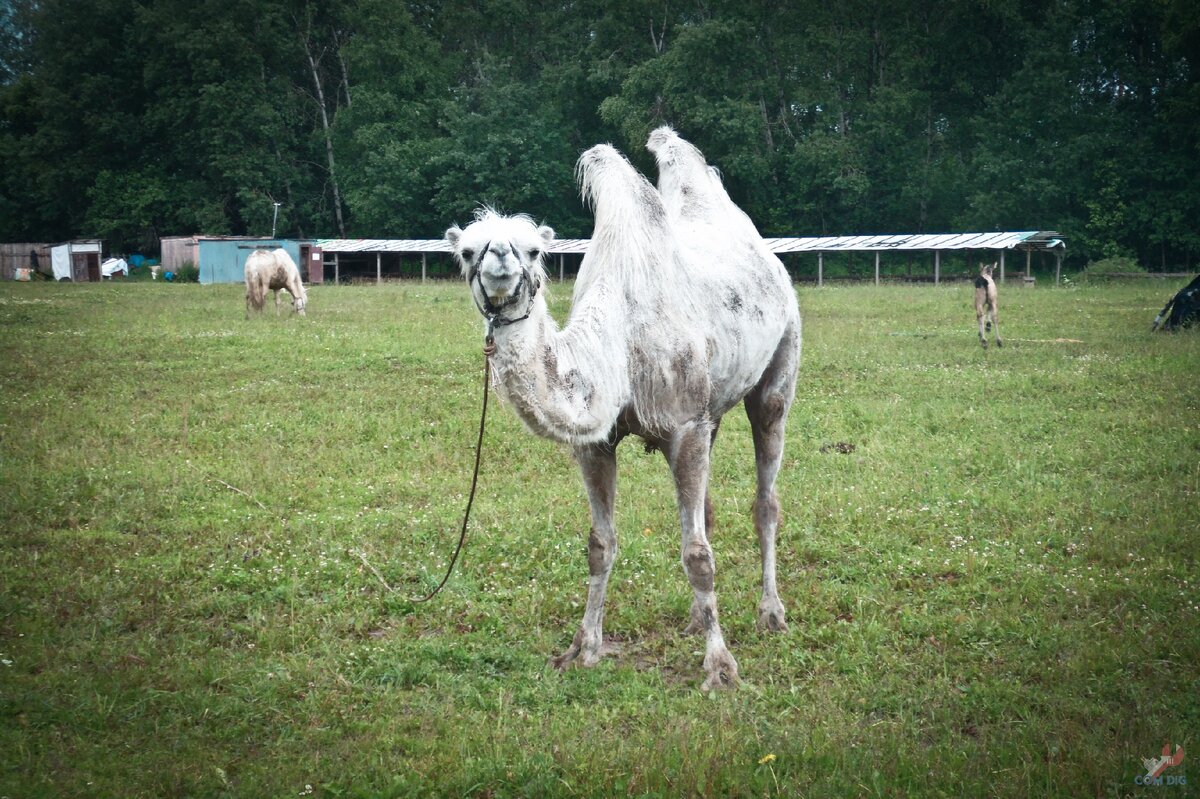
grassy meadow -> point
(210, 529)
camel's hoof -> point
(722, 673)
(772, 622)
(578, 654)
(576, 657)
(999, 343)
(561, 662)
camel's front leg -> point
(688, 456)
(277, 302)
(598, 463)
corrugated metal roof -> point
(427, 245)
(928, 241)
(383, 245)
(568, 246)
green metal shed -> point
(223, 260)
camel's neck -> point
(570, 384)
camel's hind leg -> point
(688, 453)
(710, 516)
(995, 314)
(767, 408)
(981, 318)
(598, 463)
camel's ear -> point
(547, 234)
(453, 235)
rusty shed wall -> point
(16, 255)
(179, 250)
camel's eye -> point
(467, 254)
(534, 254)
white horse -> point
(272, 270)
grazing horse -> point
(986, 308)
(272, 270)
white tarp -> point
(60, 261)
(113, 265)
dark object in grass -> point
(1182, 310)
(844, 447)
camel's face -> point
(986, 271)
(501, 256)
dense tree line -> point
(132, 119)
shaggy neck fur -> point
(568, 385)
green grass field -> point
(993, 590)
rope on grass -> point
(488, 349)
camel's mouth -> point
(500, 297)
(500, 289)
(498, 294)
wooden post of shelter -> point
(1057, 268)
(1002, 266)
(877, 267)
(1028, 265)
(820, 269)
(336, 270)
(378, 268)
(560, 267)
(937, 267)
(424, 257)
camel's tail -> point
(631, 234)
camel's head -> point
(986, 269)
(501, 258)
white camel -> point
(679, 312)
(272, 270)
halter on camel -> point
(492, 312)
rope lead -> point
(488, 348)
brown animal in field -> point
(272, 270)
(986, 307)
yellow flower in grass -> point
(765, 759)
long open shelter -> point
(378, 251)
